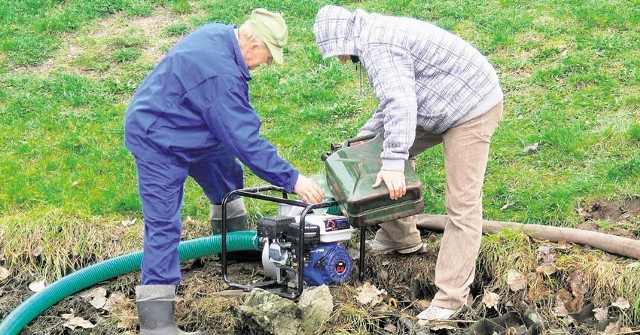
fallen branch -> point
(610, 243)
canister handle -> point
(348, 142)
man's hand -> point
(395, 182)
(308, 190)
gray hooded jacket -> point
(422, 75)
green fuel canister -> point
(351, 171)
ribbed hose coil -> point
(111, 268)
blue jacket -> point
(195, 101)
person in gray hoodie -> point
(433, 88)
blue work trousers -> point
(161, 188)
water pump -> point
(324, 260)
(300, 245)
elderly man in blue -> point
(191, 116)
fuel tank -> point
(351, 170)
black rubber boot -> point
(236, 217)
(156, 306)
(233, 224)
(236, 221)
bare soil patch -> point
(616, 217)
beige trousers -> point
(466, 151)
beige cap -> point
(270, 29)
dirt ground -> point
(404, 284)
(616, 217)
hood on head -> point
(336, 30)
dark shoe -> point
(156, 306)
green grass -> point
(68, 68)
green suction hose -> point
(111, 268)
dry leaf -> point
(546, 254)
(78, 322)
(490, 299)
(575, 305)
(98, 297)
(87, 294)
(621, 303)
(100, 292)
(563, 245)
(562, 297)
(601, 314)
(98, 302)
(369, 295)
(547, 269)
(37, 286)
(578, 284)
(391, 328)
(560, 311)
(114, 299)
(96, 292)
(68, 316)
(612, 328)
(538, 290)
(4, 273)
(516, 280)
